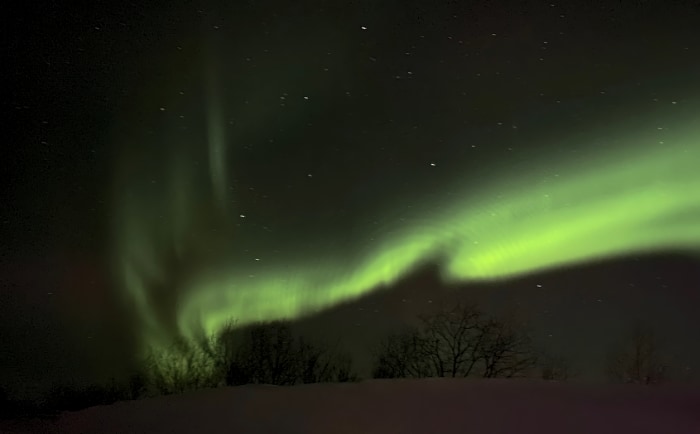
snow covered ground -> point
(402, 406)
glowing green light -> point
(635, 196)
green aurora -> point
(640, 193)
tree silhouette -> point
(263, 353)
(268, 353)
(504, 350)
(402, 355)
(272, 356)
(452, 338)
(638, 360)
(182, 367)
(456, 342)
(318, 363)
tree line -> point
(456, 341)
(264, 353)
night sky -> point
(347, 165)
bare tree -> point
(263, 353)
(506, 351)
(342, 369)
(314, 366)
(228, 350)
(318, 363)
(402, 355)
(182, 367)
(268, 353)
(275, 354)
(451, 339)
(457, 342)
(638, 360)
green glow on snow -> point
(634, 196)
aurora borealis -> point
(637, 190)
(177, 167)
(622, 201)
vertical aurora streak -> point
(216, 137)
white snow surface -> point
(402, 406)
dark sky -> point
(348, 164)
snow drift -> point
(403, 406)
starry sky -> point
(346, 165)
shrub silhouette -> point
(554, 368)
(181, 367)
(262, 354)
(268, 353)
(319, 363)
(402, 355)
